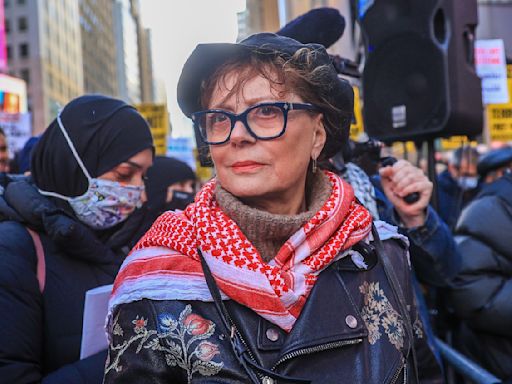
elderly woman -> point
(274, 273)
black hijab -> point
(105, 133)
(165, 172)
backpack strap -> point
(41, 264)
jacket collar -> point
(343, 323)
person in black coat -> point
(482, 292)
(87, 174)
(170, 185)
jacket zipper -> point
(402, 367)
(234, 330)
(320, 348)
(300, 352)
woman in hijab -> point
(275, 273)
(170, 185)
(61, 236)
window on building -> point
(7, 3)
(7, 25)
(25, 75)
(24, 50)
(9, 52)
(21, 2)
(22, 24)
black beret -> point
(206, 58)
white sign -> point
(491, 68)
(182, 148)
(94, 338)
(17, 128)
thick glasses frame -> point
(284, 106)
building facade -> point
(259, 16)
(494, 22)
(98, 46)
(127, 53)
(147, 86)
(44, 48)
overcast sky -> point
(177, 27)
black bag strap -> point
(398, 293)
(239, 346)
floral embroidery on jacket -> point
(417, 327)
(378, 315)
(182, 341)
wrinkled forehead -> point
(244, 82)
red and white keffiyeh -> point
(165, 265)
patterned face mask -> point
(105, 203)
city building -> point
(147, 86)
(494, 22)
(127, 52)
(44, 49)
(259, 16)
(271, 15)
(99, 55)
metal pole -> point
(432, 175)
(465, 366)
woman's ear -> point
(319, 136)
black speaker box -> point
(419, 78)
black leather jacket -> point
(352, 329)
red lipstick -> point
(246, 166)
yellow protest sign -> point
(454, 142)
(356, 126)
(158, 119)
(403, 149)
(499, 116)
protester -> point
(170, 185)
(434, 254)
(275, 234)
(482, 293)
(433, 251)
(61, 236)
(4, 153)
(21, 161)
(458, 184)
(494, 164)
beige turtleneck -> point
(267, 231)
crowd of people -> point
(294, 264)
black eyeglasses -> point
(265, 121)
